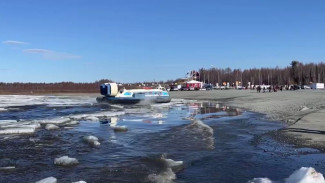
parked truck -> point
(317, 86)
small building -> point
(317, 86)
(194, 84)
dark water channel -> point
(216, 144)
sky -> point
(153, 40)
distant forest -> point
(62, 87)
(297, 73)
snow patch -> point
(66, 161)
(47, 180)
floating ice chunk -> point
(6, 122)
(55, 120)
(17, 131)
(137, 111)
(305, 175)
(3, 109)
(72, 123)
(117, 106)
(133, 120)
(91, 140)
(81, 181)
(78, 116)
(260, 180)
(119, 128)
(92, 118)
(51, 127)
(47, 180)
(303, 108)
(21, 125)
(172, 163)
(66, 161)
(96, 116)
(7, 168)
(166, 176)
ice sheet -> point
(25, 100)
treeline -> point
(297, 73)
(62, 87)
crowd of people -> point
(275, 88)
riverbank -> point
(303, 110)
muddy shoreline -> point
(303, 111)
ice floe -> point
(66, 161)
(81, 181)
(7, 168)
(91, 140)
(96, 116)
(303, 108)
(3, 109)
(137, 110)
(71, 123)
(48, 180)
(303, 175)
(59, 120)
(4, 122)
(51, 127)
(260, 180)
(133, 120)
(172, 163)
(14, 127)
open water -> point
(184, 141)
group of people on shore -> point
(275, 88)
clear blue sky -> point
(146, 40)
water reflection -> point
(209, 110)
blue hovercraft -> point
(112, 95)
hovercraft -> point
(112, 95)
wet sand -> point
(303, 110)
